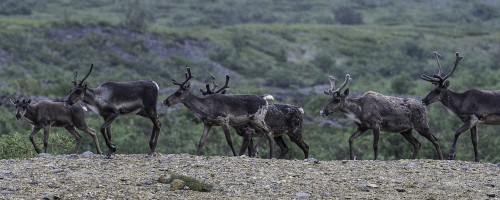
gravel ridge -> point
(134, 176)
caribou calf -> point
(222, 110)
(281, 118)
(45, 114)
(378, 112)
(473, 106)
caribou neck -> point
(351, 106)
(30, 113)
(452, 100)
(195, 104)
(90, 97)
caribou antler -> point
(188, 77)
(212, 91)
(74, 77)
(86, 76)
(332, 84)
(438, 78)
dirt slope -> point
(135, 177)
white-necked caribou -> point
(380, 113)
(222, 110)
(473, 106)
(283, 119)
(46, 114)
(112, 99)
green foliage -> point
(18, 145)
(348, 16)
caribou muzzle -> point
(166, 104)
(18, 116)
(324, 113)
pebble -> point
(50, 196)
(177, 184)
(302, 195)
(400, 189)
(44, 155)
(5, 172)
(6, 191)
(87, 153)
(491, 194)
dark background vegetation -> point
(283, 48)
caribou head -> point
(440, 82)
(182, 92)
(338, 97)
(77, 92)
(21, 107)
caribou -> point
(380, 113)
(473, 106)
(113, 99)
(46, 114)
(281, 118)
(222, 110)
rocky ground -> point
(88, 176)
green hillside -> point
(283, 48)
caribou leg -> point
(300, 142)
(206, 130)
(76, 135)
(474, 138)
(225, 128)
(46, 130)
(355, 135)
(154, 135)
(93, 134)
(33, 133)
(283, 148)
(247, 140)
(376, 134)
(106, 133)
(269, 135)
(413, 141)
(426, 132)
(469, 123)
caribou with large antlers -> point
(380, 113)
(283, 119)
(112, 99)
(46, 114)
(473, 106)
(222, 110)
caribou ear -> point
(28, 101)
(446, 83)
(186, 86)
(346, 92)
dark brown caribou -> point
(473, 106)
(112, 99)
(45, 114)
(222, 110)
(283, 119)
(380, 113)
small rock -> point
(44, 155)
(55, 171)
(167, 178)
(491, 194)
(50, 196)
(5, 172)
(6, 191)
(311, 161)
(302, 195)
(399, 189)
(371, 185)
(363, 187)
(177, 184)
(87, 153)
(344, 161)
(489, 185)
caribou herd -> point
(252, 115)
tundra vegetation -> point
(270, 48)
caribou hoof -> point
(152, 154)
(451, 156)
